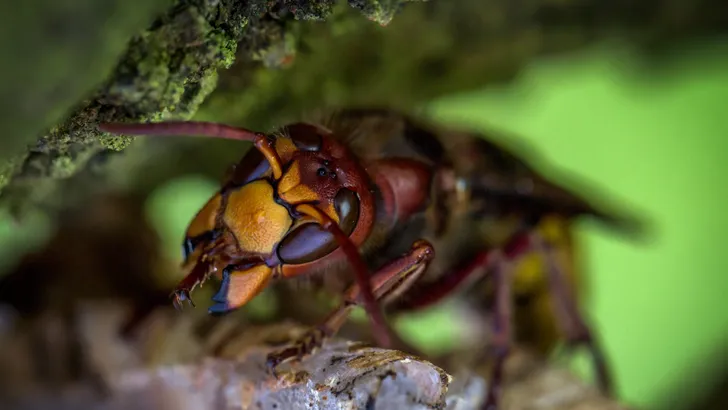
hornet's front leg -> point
(182, 292)
(197, 265)
(387, 284)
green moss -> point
(8, 168)
(54, 54)
(270, 44)
(63, 167)
(166, 73)
(162, 72)
(310, 9)
(226, 47)
(114, 142)
(206, 86)
(379, 11)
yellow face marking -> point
(285, 148)
(292, 190)
(291, 179)
(255, 219)
(299, 194)
(331, 212)
(260, 217)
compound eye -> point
(310, 241)
(346, 203)
(305, 137)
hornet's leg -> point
(502, 276)
(473, 270)
(503, 310)
(387, 284)
(182, 292)
(498, 264)
(429, 294)
(493, 263)
(502, 333)
(569, 317)
(382, 331)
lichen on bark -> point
(379, 11)
(166, 72)
(430, 49)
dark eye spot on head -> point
(321, 172)
(333, 175)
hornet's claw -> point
(275, 359)
(272, 363)
(178, 298)
(297, 352)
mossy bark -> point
(151, 60)
(129, 61)
(164, 71)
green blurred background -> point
(654, 141)
(658, 143)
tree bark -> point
(67, 68)
(175, 365)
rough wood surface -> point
(187, 361)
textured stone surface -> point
(192, 362)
